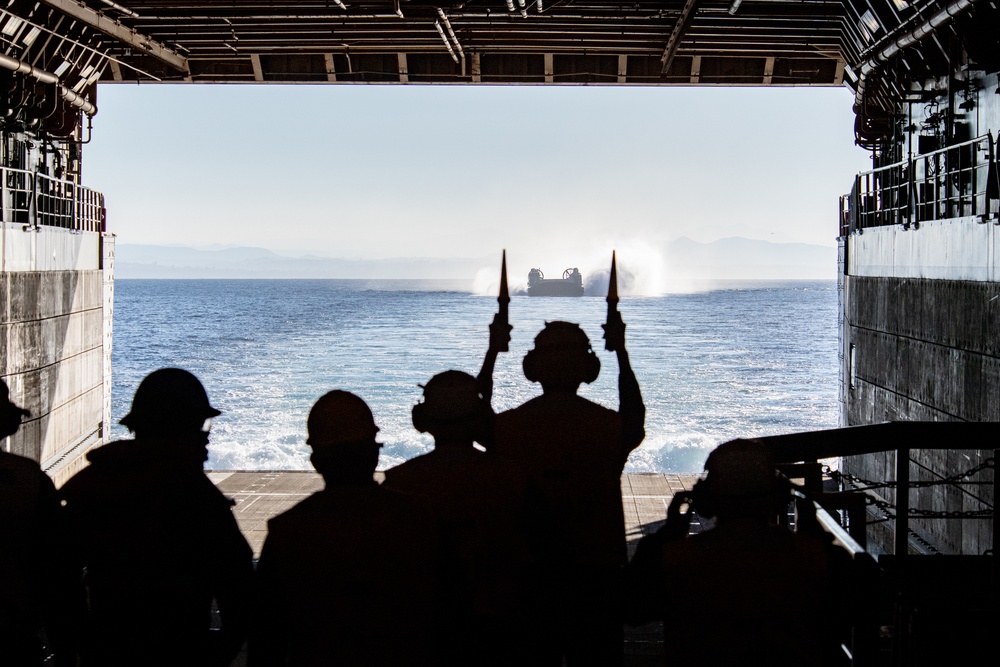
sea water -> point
(734, 360)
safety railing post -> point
(3, 219)
(911, 194)
(996, 538)
(902, 501)
(33, 201)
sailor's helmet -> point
(169, 398)
(339, 418)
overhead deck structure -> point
(877, 47)
(867, 44)
(495, 41)
(675, 42)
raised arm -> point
(630, 405)
(499, 340)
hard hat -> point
(166, 396)
(339, 417)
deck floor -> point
(261, 495)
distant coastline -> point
(682, 260)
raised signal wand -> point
(503, 299)
(630, 405)
(499, 335)
(614, 319)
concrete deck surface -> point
(260, 495)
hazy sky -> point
(448, 171)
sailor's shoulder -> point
(14, 464)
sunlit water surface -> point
(741, 360)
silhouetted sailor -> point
(158, 539)
(346, 577)
(572, 452)
(479, 511)
(748, 591)
(40, 591)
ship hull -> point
(56, 288)
(919, 282)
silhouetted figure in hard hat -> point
(748, 591)
(572, 451)
(158, 539)
(483, 555)
(346, 577)
(41, 596)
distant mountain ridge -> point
(153, 261)
(737, 257)
(683, 258)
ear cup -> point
(419, 417)
(703, 499)
(782, 494)
(592, 367)
(530, 366)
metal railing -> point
(950, 182)
(900, 437)
(37, 200)
(910, 595)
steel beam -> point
(687, 15)
(115, 29)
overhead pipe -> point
(444, 38)
(123, 10)
(77, 100)
(16, 97)
(454, 38)
(942, 18)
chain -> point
(867, 484)
(964, 514)
(890, 509)
(890, 515)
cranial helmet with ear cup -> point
(561, 348)
(449, 397)
(741, 479)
